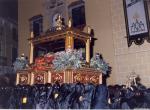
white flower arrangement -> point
(68, 59)
(99, 64)
(20, 63)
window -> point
(14, 34)
(77, 12)
(78, 16)
(50, 4)
(3, 61)
(0, 49)
(1, 30)
(36, 23)
(14, 54)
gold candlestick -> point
(70, 22)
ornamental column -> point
(31, 48)
(88, 41)
(88, 51)
(69, 41)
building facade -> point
(105, 17)
(8, 44)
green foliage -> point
(99, 64)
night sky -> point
(9, 9)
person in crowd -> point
(101, 97)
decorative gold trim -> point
(83, 75)
(32, 78)
(29, 78)
(49, 79)
(65, 76)
(17, 79)
(100, 78)
(69, 41)
(31, 48)
(59, 35)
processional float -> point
(48, 68)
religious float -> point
(63, 55)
